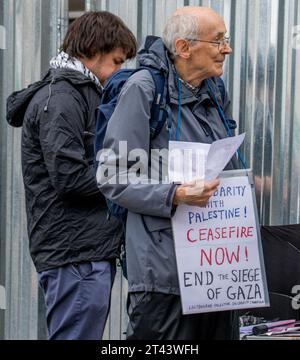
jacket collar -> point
(187, 95)
(72, 76)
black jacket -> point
(66, 213)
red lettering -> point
(233, 255)
(202, 233)
(224, 232)
(217, 233)
(219, 262)
(231, 231)
(219, 256)
(208, 258)
(210, 235)
(243, 233)
(250, 231)
(189, 237)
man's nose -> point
(227, 50)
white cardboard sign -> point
(219, 258)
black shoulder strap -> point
(160, 110)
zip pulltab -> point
(50, 94)
(205, 131)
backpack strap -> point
(160, 110)
(217, 92)
(108, 103)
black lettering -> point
(186, 274)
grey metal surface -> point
(262, 76)
(32, 36)
(117, 320)
(2, 206)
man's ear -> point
(182, 48)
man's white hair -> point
(180, 26)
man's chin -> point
(219, 72)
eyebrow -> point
(222, 33)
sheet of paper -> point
(189, 161)
(219, 155)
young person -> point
(72, 242)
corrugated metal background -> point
(33, 29)
(262, 76)
(263, 79)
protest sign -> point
(218, 251)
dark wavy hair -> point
(98, 32)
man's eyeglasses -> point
(221, 43)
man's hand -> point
(195, 193)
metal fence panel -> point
(2, 190)
(262, 76)
(31, 37)
(263, 79)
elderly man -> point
(192, 50)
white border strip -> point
(2, 37)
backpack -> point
(160, 111)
